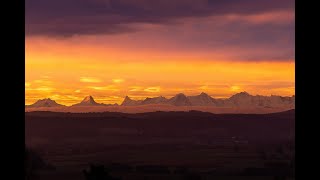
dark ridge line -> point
(154, 112)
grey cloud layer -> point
(70, 17)
(189, 25)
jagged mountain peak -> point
(203, 94)
(180, 100)
(203, 99)
(180, 95)
(46, 102)
(241, 94)
(88, 100)
(129, 102)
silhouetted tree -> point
(33, 162)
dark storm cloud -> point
(83, 17)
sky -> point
(147, 48)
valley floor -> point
(164, 145)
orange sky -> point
(68, 70)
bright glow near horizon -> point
(67, 76)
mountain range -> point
(242, 99)
(47, 102)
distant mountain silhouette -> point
(155, 100)
(242, 99)
(202, 99)
(45, 103)
(179, 100)
(89, 101)
(129, 102)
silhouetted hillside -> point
(154, 145)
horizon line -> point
(161, 96)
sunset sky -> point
(146, 48)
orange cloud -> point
(90, 80)
(41, 88)
(152, 89)
(274, 17)
(135, 88)
(117, 80)
(105, 88)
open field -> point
(209, 145)
(159, 107)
